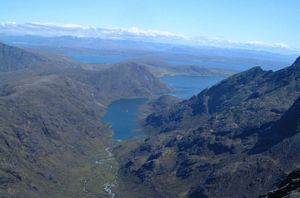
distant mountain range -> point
(209, 57)
(133, 34)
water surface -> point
(122, 115)
(187, 86)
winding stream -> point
(109, 185)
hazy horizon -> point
(257, 24)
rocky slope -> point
(237, 139)
(52, 143)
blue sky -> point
(242, 20)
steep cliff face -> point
(236, 139)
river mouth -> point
(122, 116)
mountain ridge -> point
(202, 145)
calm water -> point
(237, 66)
(187, 86)
(214, 64)
(123, 117)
